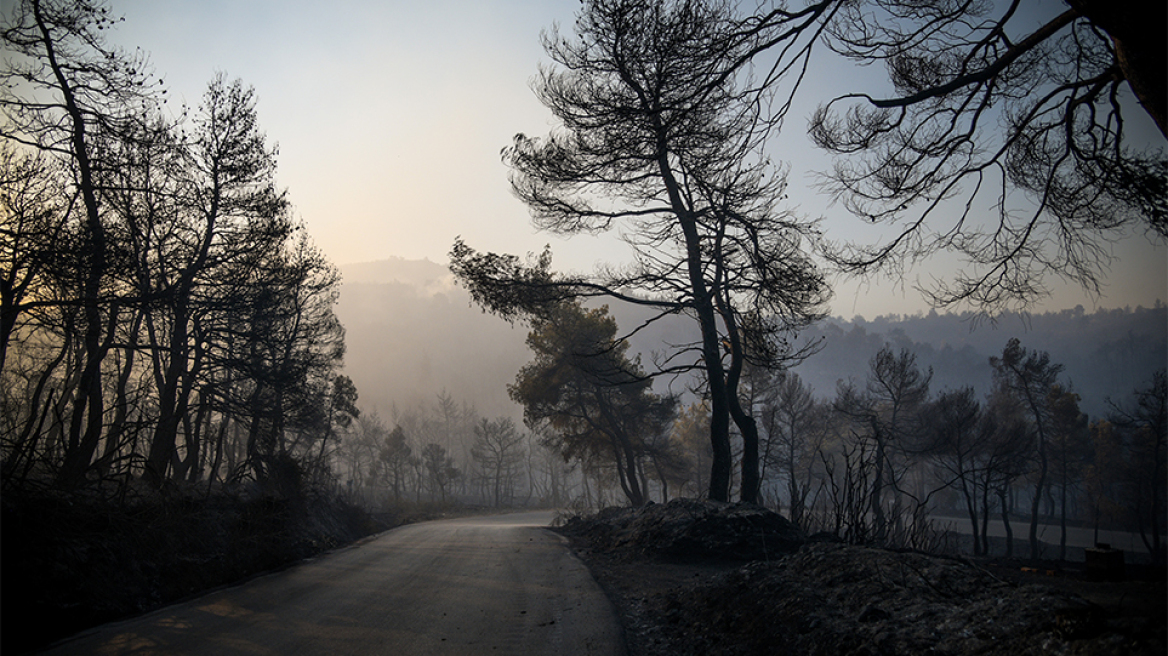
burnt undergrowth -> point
(699, 577)
(69, 561)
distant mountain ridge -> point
(1106, 353)
(412, 333)
(424, 274)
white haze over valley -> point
(412, 334)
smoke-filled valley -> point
(413, 334)
(430, 365)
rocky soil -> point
(693, 577)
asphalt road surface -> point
(485, 585)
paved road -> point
(491, 585)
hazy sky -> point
(390, 116)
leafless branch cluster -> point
(988, 111)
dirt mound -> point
(666, 569)
(685, 529)
(838, 599)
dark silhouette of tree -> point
(978, 451)
(1146, 424)
(34, 218)
(887, 412)
(362, 451)
(670, 462)
(547, 472)
(155, 296)
(64, 91)
(342, 404)
(661, 138)
(1103, 475)
(439, 468)
(986, 102)
(953, 441)
(293, 343)
(395, 454)
(1006, 445)
(1028, 377)
(232, 197)
(597, 401)
(797, 426)
(1009, 445)
(1070, 449)
(498, 451)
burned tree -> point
(986, 104)
(597, 402)
(1027, 377)
(498, 452)
(1144, 422)
(797, 426)
(64, 92)
(154, 292)
(885, 415)
(662, 138)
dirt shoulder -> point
(781, 593)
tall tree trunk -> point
(721, 468)
(88, 408)
(88, 403)
(1006, 523)
(796, 505)
(166, 433)
(747, 427)
(970, 497)
(1137, 34)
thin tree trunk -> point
(1006, 524)
(89, 408)
(88, 403)
(1036, 504)
(971, 508)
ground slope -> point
(776, 592)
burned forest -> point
(327, 320)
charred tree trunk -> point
(1137, 35)
(88, 408)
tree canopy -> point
(994, 102)
(599, 404)
(155, 290)
(660, 138)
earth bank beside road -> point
(830, 598)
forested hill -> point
(412, 334)
(1106, 353)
